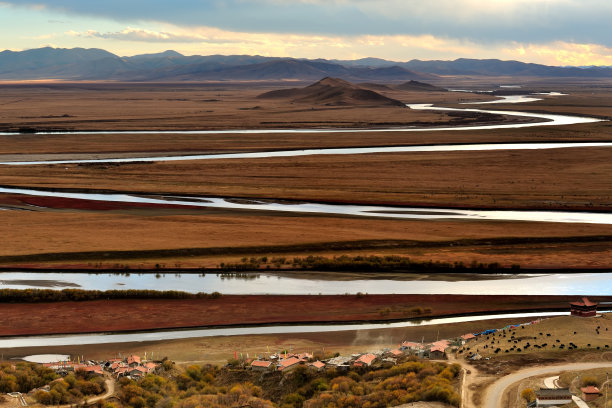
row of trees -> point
(49, 295)
(359, 263)
(208, 386)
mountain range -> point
(97, 64)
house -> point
(288, 364)
(468, 337)
(437, 353)
(304, 356)
(548, 397)
(365, 360)
(137, 372)
(120, 372)
(590, 393)
(95, 370)
(261, 365)
(442, 343)
(583, 308)
(133, 361)
(150, 366)
(411, 346)
(317, 365)
(396, 353)
(338, 361)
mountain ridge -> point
(169, 65)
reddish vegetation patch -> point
(124, 315)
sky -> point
(552, 32)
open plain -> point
(571, 179)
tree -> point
(528, 394)
(586, 381)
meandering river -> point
(329, 209)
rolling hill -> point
(332, 92)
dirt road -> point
(493, 395)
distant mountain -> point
(97, 64)
(332, 92)
(59, 63)
(493, 67)
(419, 87)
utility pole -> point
(607, 379)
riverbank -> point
(119, 315)
(217, 350)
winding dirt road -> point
(494, 393)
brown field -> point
(217, 350)
(566, 179)
(112, 106)
(231, 310)
(205, 238)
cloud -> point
(200, 35)
(563, 53)
(209, 40)
(492, 21)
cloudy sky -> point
(554, 32)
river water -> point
(80, 339)
(331, 209)
(545, 284)
(327, 151)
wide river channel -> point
(317, 283)
(79, 339)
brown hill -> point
(419, 87)
(332, 92)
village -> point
(132, 366)
(469, 347)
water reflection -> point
(262, 283)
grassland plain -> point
(567, 179)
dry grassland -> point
(567, 179)
(234, 235)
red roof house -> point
(133, 361)
(365, 360)
(288, 364)
(93, 370)
(583, 308)
(437, 352)
(590, 393)
(319, 365)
